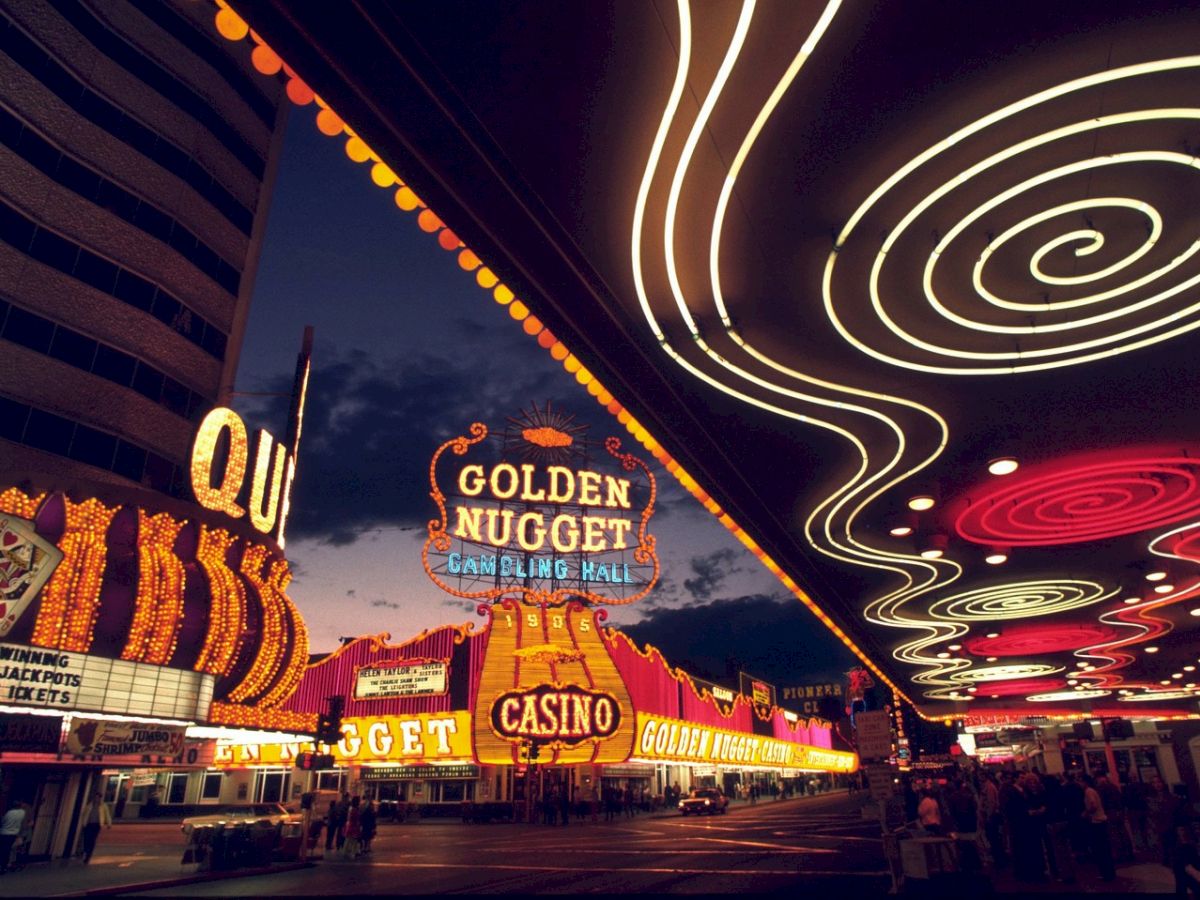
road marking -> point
(631, 869)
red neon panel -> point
(1029, 640)
(1021, 687)
(1085, 503)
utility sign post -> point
(874, 733)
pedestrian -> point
(331, 824)
(593, 803)
(993, 822)
(628, 801)
(1028, 835)
(95, 817)
(353, 831)
(343, 815)
(1185, 864)
(1058, 845)
(1097, 821)
(1137, 818)
(564, 805)
(1160, 808)
(1114, 808)
(10, 828)
(929, 814)
(1072, 801)
(369, 821)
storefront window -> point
(271, 787)
(329, 781)
(177, 791)
(451, 791)
(211, 790)
(1096, 763)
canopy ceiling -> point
(840, 256)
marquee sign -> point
(565, 714)
(34, 676)
(402, 678)
(531, 512)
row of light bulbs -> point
(935, 544)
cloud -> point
(372, 424)
(711, 571)
(771, 637)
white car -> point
(239, 814)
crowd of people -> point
(350, 825)
(1059, 827)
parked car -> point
(240, 814)
(704, 801)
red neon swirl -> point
(1031, 640)
(1022, 686)
(1086, 503)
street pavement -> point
(822, 845)
(773, 846)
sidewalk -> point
(112, 874)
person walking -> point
(343, 815)
(1097, 822)
(95, 817)
(331, 824)
(1160, 808)
(929, 814)
(353, 841)
(564, 805)
(10, 828)
(1133, 794)
(993, 822)
(369, 820)
(1114, 808)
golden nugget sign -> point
(548, 529)
(219, 486)
(548, 713)
(420, 737)
(663, 738)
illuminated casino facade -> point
(137, 620)
(559, 526)
(451, 715)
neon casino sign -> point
(530, 515)
(567, 714)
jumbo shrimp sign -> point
(536, 510)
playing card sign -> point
(26, 563)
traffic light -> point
(329, 725)
(312, 762)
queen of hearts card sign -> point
(26, 563)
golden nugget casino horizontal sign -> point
(671, 739)
(528, 513)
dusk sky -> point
(408, 352)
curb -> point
(198, 878)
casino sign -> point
(528, 514)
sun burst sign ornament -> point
(527, 514)
(544, 526)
